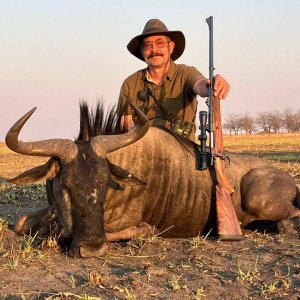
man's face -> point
(157, 50)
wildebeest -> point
(112, 187)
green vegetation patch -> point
(9, 193)
(285, 157)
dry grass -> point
(263, 143)
(12, 164)
(282, 150)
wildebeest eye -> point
(119, 175)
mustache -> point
(154, 54)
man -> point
(166, 92)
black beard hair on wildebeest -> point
(167, 191)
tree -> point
(232, 123)
(291, 120)
(247, 123)
(262, 121)
(275, 120)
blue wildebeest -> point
(113, 187)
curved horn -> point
(115, 142)
(65, 150)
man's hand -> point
(221, 87)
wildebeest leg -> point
(270, 194)
(27, 223)
(131, 232)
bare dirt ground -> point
(265, 265)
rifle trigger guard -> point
(223, 157)
(226, 157)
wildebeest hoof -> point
(131, 232)
(289, 226)
(20, 227)
(27, 223)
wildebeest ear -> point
(119, 176)
(47, 171)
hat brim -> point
(176, 36)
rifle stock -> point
(228, 224)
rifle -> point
(228, 225)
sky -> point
(56, 53)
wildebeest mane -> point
(100, 122)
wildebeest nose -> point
(87, 252)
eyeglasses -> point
(158, 44)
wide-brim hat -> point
(157, 27)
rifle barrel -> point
(211, 85)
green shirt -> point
(163, 104)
